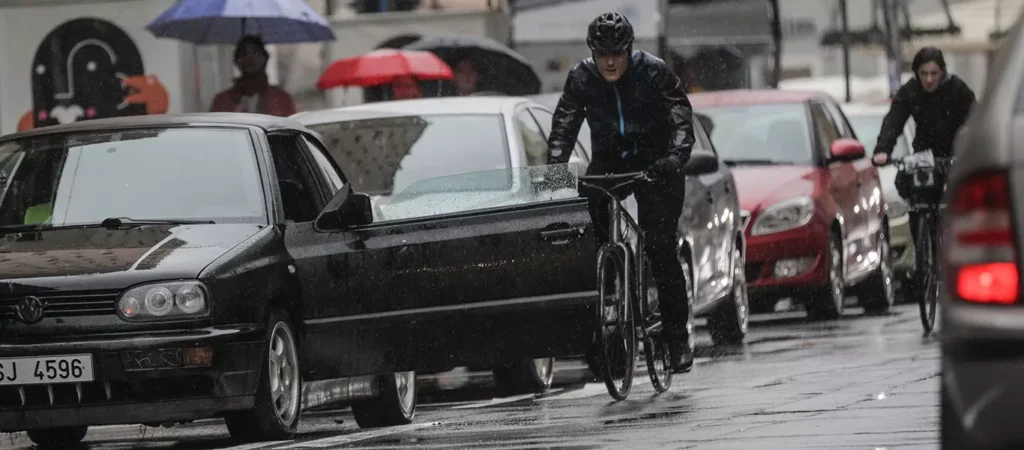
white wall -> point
(22, 28)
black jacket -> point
(647, 103)
(939, 115)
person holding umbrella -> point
(252, 92)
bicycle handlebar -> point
(631, 176)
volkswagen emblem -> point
(29, 310)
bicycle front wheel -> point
(928, 280)
(616, 332)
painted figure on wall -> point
(90, 69)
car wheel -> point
(952, 433)
(827, 303)
(728, 323)
(275, 416)
(878, 293)
(57, 438)
(531, 376)
(396, 404)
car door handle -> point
(728, 188)
(562, 235)
(709, 197)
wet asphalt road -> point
(860, 383)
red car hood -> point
(762, 186)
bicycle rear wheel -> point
(928, 282)
(656, 349)
(616, 333)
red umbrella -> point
(382, 67)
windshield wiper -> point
(749, 162)
(121, 222)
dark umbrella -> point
(499, 67)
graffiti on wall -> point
(86, 69)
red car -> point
(817, 229)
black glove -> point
(665, 168)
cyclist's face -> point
(612, 66)
(930, 75)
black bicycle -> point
(624, 287)
(927, 185)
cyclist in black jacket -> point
(640, 119)
(939, 103)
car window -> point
(867, 128)
(701, 139)
(330, 174)
(839, 119)
(189, 173)
(825, 130)
(534, 142)
(383, 156)
(544, 118)
(766, 133)
(295, 178)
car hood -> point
(760, 186)
(438, 203)
(69, 256)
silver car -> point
(866, 120)
(981, 310)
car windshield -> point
(386, 155)
(775, 134)
(466, 192)
(183, 174)
(867, 128)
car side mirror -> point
(701, 162)
(847, 149)
(346, 210)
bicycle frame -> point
(637, 279)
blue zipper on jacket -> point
(622, 119)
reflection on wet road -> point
(863, 382)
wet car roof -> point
(268, 123)
(445, 105)
(738, 97)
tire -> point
(953, 436)
(532, 376)
(617, 336)
(58, 438)
(275, 416)
(878, 293)
(656, 347)
(827, 303)
(396, 404)
(926, 289)
(729, 322)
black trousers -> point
(659, 206)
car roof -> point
(268, 123)
(737, 97)
(442, 105)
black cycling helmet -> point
(609, 33)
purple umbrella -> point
(227, 21)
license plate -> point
(46, 370)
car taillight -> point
(981, 252)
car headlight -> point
(172, 300)
(785, 215)
(896, 207)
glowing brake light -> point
(981, 251)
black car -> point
(163, 269)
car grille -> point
(66, 304)
(752, 271)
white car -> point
(403, 147)
(866, 121)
